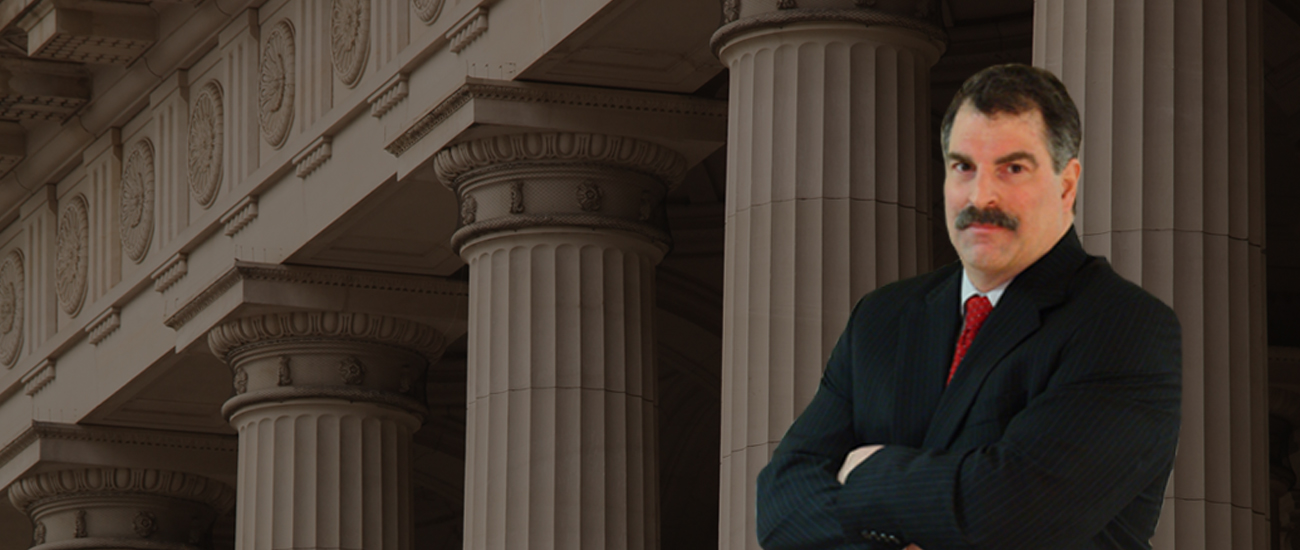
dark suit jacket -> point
(1057, 431)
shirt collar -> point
(968, 289)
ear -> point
(1070, 182)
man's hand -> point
(855, 457)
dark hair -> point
(1015, 88)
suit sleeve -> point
(797, 489)
(1102, 431)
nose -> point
(983, 190)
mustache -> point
(990, 216)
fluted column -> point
(828, 159)
(325, 406)
(562, 233)
(1170, 94)
(120, 508)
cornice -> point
(350, 279)
(621, 152)
(522, 93)
(258, 329)
(33, 490)
(119, 436)
(251, 271)
(203, 299)
(868, 17)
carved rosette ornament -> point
(12, 288)
(205, 144)
(350, 39)
(275, 91)
(616, 177)
(589, 195)
(427, 10)
(146, 524)
(127, 508)
(137, 201)
(73, 257)
(352, 356)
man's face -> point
(999, 170)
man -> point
(1026, 398)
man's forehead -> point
(968, 115)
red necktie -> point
(977, 310)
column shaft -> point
(324, 474)
(1170, 95)
(562, 418)
(827, 198)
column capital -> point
(746, 23)
(560, 179)
(129, 508)
(456, 164)
(311, 354)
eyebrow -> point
(1018, 155)
(1004, 159)
(960, 158)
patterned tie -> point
(977, 310)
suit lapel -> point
(928, 332)
(1017, 316)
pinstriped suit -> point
(1057, 431)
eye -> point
(1017, 169)
(962, 166)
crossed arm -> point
(1110, 412)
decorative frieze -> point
(36, 379)
(171, 272)
(137, 201)
(350, 39)
(126, 508)
(276, 85)
(469, 28)
(427, 10)
(206, 144)
(240, 216)
(313, 156)
(73, 251)
(104, 325)
(12, 297)
(389, 95)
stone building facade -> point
(408, 274)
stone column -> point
(1170, 92)
(120, 508)
(325, 406)
(562, 233)
(828, 159)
